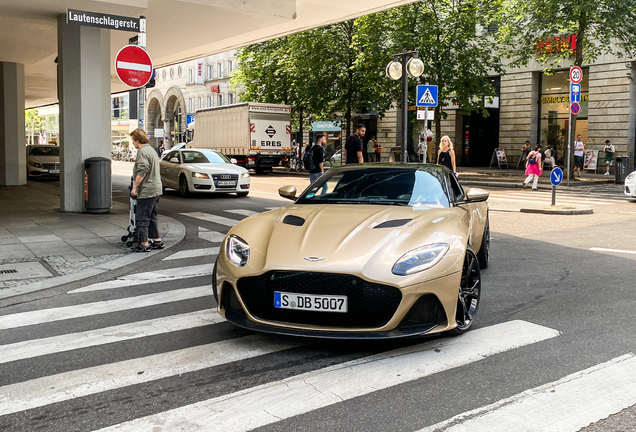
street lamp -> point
(402, 67)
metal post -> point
(405, 110)
(141, 93)
(553, 195)
(425, 131)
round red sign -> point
(576, 74)
(575, 108)
(133, 66)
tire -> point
(183, 186)
(242, 194)
(214, 290)
(259, 171)
(129, 244)
(484, 250)
(124, 238)
(469, 294)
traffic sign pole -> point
(141, 93)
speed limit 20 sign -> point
(576, 74)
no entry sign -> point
(133, 66)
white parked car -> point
(43, 161)
(203, 170)
(630, 185)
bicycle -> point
(293, 163)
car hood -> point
(43, 159)
(212, 168)
(358, 239)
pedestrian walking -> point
(370, 156)
(354, 145)
(579, 151)
(421, 150)
(533, 168)
(609, 156)
(446, 154)
(525, 151)
(147, 189)
(161, 148)
(317, 165)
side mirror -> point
(234, 161)
(288, 192)
(476, 194)
(174, 160)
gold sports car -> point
(366, 251)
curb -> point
(563, 211)
(174, 235)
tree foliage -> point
(33, 123)
(541, 30)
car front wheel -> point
(469, 293)
(183, 186)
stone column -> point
(84, 94)
(12, 138)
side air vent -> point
(293, 220)
(393, 223)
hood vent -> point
(293, 220)
(392, 223)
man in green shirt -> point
(147, 189)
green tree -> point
(459, 54)
(542, 30)
(33, 123)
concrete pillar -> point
(84, 94)
(12, 139)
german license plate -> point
(226, 183)
(54, 171)
(310, 302)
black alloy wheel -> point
(484, 250)
(469, 293)
(183, 186)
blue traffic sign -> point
(575, 108)
(426, 96)
(556, 176)
(575, 92)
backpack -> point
(308, 160)
(533, 159)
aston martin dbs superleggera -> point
(366, 251)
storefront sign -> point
(92, 19)
(215, 89)
(325, 126)
(200, 79)
(561, 99)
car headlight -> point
(199, 175)
(35, 165)
(237, 250)
(245, 175)
(420, 259)
(631, 176)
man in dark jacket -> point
(354, 145)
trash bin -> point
(622, 170)
(97, 185)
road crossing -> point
(562, 198)
(194, 371)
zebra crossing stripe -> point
(103, 336)
(149, 277)
(212, 236)
(595, 249)
(193, 253)
(70, 385)
(243, 212)
(565, 405)
(220, 220)
(102, 307)
(269, 403)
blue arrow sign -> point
(556, 176)
(426, 96)
(575, 92)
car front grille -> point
(369, 304)
(51, 166)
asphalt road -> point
(552, 345)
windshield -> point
(415, 187)
(44, 151)
(203, 156)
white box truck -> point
(257, 135)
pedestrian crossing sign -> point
(426, 96)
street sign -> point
(575, 108)
(133, 66)
(556, 176)
(575, 92)
(426, 96)
(576, 74)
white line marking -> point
(268, 403)
(243, 212)
(193, 253)
(102, 307)
(124, 332)
(548, 199)
(150, 277)
(133, 66)
(212, 236)
(565, 405)
(212, 218)
(548, 195)
(612, 250)
(70, 385)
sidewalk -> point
(41, 247)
